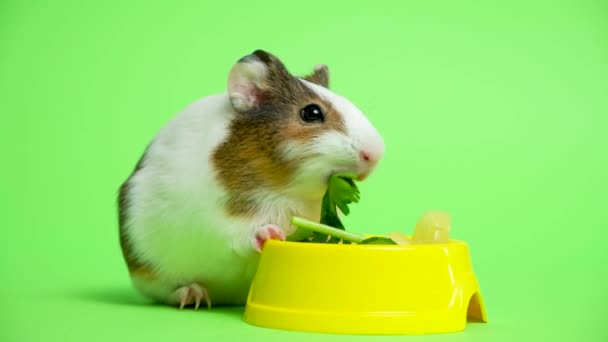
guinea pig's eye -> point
(312, 113)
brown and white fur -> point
(228, 173)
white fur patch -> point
(362, 133)
(175, 221)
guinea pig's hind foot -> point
(192, 294)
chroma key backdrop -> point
(494, 111)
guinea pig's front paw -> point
(265, 233)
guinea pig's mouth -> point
(360, 175)
(363, 175)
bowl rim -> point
(328, 246)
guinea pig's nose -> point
(369, 161)
(367, 157)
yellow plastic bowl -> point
(364, 289)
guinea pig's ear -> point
(320, 75)
(249, 78)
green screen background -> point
(493, 111)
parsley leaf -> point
(341, 191)
(378, 240)
(340, 234)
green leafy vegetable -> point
(325, 230)
(378, 240)
(341, 191)
(340, 234)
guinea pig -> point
(229, 172)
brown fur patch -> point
(249, 158)
(144, 272)
(134, 265)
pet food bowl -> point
(365, 289)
